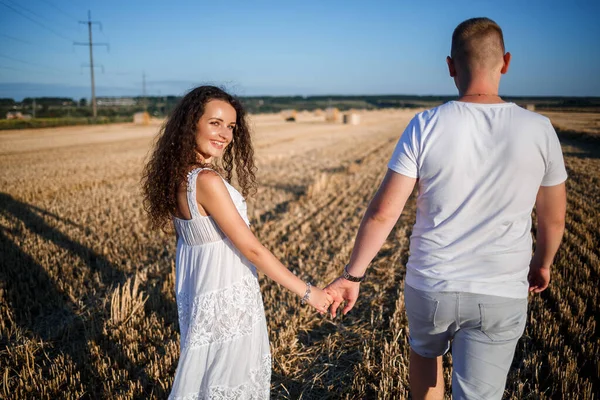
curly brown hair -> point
(174, 154)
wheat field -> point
(87, 307)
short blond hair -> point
(477, 42)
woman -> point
(224, 342)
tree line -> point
(160, 106)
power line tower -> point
(144, 99)
(91, 45)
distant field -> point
(37, 123)
(74, 241)
(587, 123)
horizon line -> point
(308, 96)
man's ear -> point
(507, 58)
(451, 67)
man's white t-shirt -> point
(479, 168)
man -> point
(481, 165)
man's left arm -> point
(382, 214)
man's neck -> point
(481, 98)
(479, 91)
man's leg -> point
(431, 324)
(426, 377)
(482, 355)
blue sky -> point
(288, 47)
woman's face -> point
(214, 130)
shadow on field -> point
(46, 313)
(274, 213)
(587, 143)
(296, 190)
(295, 389)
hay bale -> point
(289, 115)
(17, 115)
(141, 118)
(332, 114)
(351, 118)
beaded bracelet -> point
(306, 294)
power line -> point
(25, 8)
(34, 21)
(29, 71)
(121, 73)
(31, 12)
(11, 68)
(144, 91)
(15, 39)
(43, 46)
(33, 64)
(59, 9)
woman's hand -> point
(319, 299)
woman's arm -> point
(213, 196)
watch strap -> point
(352, 278)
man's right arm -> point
(551, 206)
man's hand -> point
(550, 205)
(342, 290)
(539, 278)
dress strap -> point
(191, 191)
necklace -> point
(480, 94)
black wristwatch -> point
(351, 278)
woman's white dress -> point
(225, 351)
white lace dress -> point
(225, 351)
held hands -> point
(341, 290)
(345, 288)
(319, 299)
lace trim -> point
(220, 316)
(256, 388)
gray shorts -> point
(484, 331)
